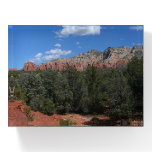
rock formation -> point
(30, 66)
(112, 57)
(12, 69)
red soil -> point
(41, 119)
(17, 117)
(16, 114)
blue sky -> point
(40, 43)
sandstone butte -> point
(12, 69)
(112, 57)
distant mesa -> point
(112, 57)
(12, 69)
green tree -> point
(51, 83)
(19, 94)
(135, 80)
(31, 84)
(65, 96)
(120, 97)
(77, 87)
(57, 87)
(47, 107)
(93, 81)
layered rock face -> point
(30, 66)
(112, 57)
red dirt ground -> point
(17, 117)
(16, 114)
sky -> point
(41, 43)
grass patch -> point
(67, 122)
(11, 100)
(28, 113)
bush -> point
(12, 100)
(47, 107)
(95, 121)
(66, 122)
(19, 94)
(31, 84)
(28, 113)
(62, 109)
(36, 102)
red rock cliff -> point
(112, 57)
(12, 69)
(29, 66)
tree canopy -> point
(87, 92)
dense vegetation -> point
(117, 93)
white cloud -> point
(30, 61)
(38, 55)
(57, 45)
(137, 28)
(51, 57)
(79, 30)
(37, 58)
(56, 53)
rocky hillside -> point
(110, 58)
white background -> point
(70, 12)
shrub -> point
(31, 84)
(36, 102)
(12, 100)
(28, 113)
(60, 109)
(47, 107)
(95, 120)
(19, 94)
(66, 122)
